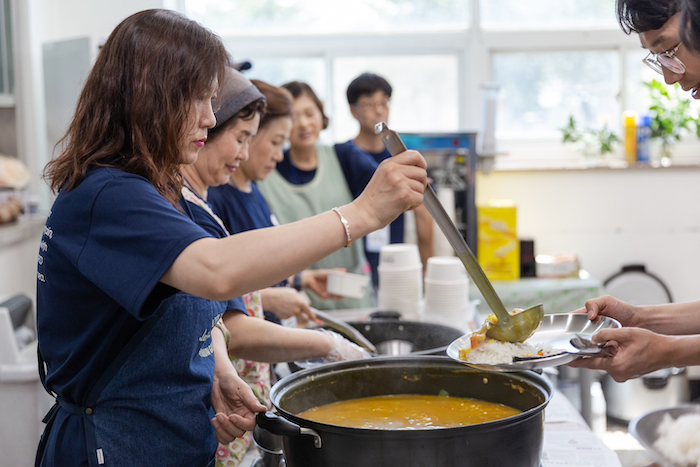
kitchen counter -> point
(23, 228)
(556, 295)
(19, 249)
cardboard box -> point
(498, 246)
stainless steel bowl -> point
(644, 429)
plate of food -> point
(560, 339)
(670, 435)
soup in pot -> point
(408, 412)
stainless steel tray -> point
(644, 429)
(555, 331)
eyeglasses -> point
(666, 59)
(373, 105)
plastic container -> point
(629, 131)
(445, 269)
(399, 256)
(644, 139)
(347, 284)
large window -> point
(552, 59)
(547, 14)
(7, 79)
(328, 16)
(540, 90)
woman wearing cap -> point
(313, 178)
(241, 206)
(135, 374)
(241, 105)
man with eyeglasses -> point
(654, 337)
(690, 28)
(658, 24)
(368, 96)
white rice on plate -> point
(494, 352)
(679, 439)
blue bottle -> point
(644, 139)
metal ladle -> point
(515, 327)
(345, 329)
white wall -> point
(611, 218)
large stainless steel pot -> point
(516, 440)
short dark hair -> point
(645, 15)
(690, 24)
(367, 83)
(297, 89)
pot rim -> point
(538, 382)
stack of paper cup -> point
(400, 280)
(447, 293)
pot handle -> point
(655, 382)
(283, 427)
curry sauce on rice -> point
(487, 351)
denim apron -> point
(153, 403)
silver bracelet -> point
(346, 225)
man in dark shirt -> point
(368, 96)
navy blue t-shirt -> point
(240, 211)
(203, 219)
(105, 247)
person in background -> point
(313, 178)
(241, 206)
(369, 95)
(690, 36)
(241, 105)
(137, 379)
(668, 335)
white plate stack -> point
(400, 280)
(447, 293)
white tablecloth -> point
(569, 442)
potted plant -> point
(590, 142)
(671, 116)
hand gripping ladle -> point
(515, 327)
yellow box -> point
(498, 247)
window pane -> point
(277, 71)
(547, 14)
(324, 16)
(636, 94)
(7, 69)
(539, 91)
(424, 92)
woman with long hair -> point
(136, 370)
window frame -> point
(473, 49)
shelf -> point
(7, 100)
(24, 228)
